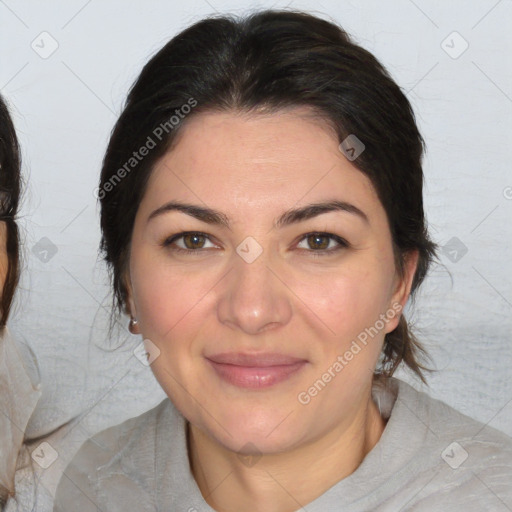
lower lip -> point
(255, 377)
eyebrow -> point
(293, 216)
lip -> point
(255, 371)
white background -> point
(65, 105)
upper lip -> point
(255, 360)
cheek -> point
(171, 300)
(170, 309)
(351, 298)
(165, 298)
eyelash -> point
(342, 244)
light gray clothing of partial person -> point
(19, 393)
(430, 458)
(30, 465)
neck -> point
(282, 482)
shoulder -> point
(448, 424)
(119, 459)
(469, 461)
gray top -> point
(19, 394)
(429, 458)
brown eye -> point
(194, 241)
(317, 241)
(318, 244)
(191, 242)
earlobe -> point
(133, 325)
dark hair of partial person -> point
(267, 62)
(10, 184)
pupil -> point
(316, 240)
(191, 241)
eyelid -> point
(342, 243)
(172, 239)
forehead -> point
(264, 160)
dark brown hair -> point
(270, 61)
(9, 199)
(10, 184)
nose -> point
(254, 299)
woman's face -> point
(260, 323)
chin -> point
(252, 432)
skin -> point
(253, 168)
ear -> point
(130, 308)
(402, 290)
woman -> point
(262, 217)
(18, 393)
